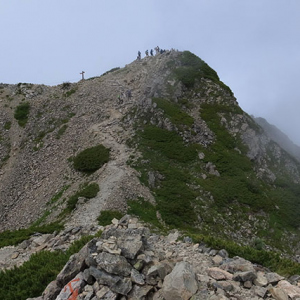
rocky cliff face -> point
(179, 145)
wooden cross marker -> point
(82, 73)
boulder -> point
(244, 276)
(130, 245)
(139, 292)
(180, 283)
(219, 274)
(291, 290)
(278, 293)
(261, 279)
(114, 264)
(273, 278)
(72, 288)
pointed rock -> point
(180, 283)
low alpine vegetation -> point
(21, 113)
(91, 159)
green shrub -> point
(21, 113)
(175, 114)
(7, 125)
(70, 92)
(61, 131)
(169, 143)
(88, 191)
(33, 276)
(107, 215)
(91, 159)
(58, 194)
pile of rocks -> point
(129, 262)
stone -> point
(219, 274)
(139, 292)
(15, 255)
(224, 285)
(260, 279)
(278, 293)
(248, 284)
(291, 290)
(217, 260)
(106, 293)
(172, 237)
(72, 267)
(115, 221)
(41, 239)
(72, 288)
(223, 253)
(124, 220)
(137, 277)
(237, 264)
(91, 274)
(160, 269)
(52, 290)
(130, 245)
(114, 264)
(260, 291)
(244, 276)
(122, 286)
(273, 278)
(180, 283)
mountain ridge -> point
(181, 142)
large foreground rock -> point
(180, 283)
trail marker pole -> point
(82, 73)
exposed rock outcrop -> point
(158, 267)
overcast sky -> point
(254, 45)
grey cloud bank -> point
(253, 45)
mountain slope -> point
(279, 137)
(182, 154)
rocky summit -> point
(164, 140)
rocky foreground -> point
(130, 262)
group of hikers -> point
(157, 51)
(125, 95)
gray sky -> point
(254, 45)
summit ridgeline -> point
(163, 139)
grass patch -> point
(61, 131)
(7, 125)
(145, 211)
(70, 92)
(91, 159)
(169, 143)
(58, 195)
(106, 217)
(175, 114)
(12, 238)
(87, 191)
(21, 113)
